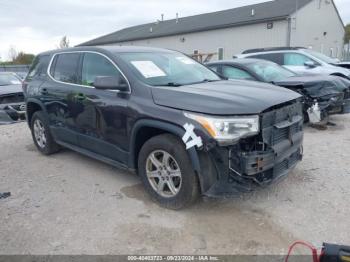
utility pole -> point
(348, 54)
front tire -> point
(41, 134)
(167, 173)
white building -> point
(310, 23)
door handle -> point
(44, 91)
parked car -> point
(176, 123)
(330, 94)
(299, 60)
(345, 64)
(12, 106)
(22, 75)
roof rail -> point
(259, 50)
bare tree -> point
(12, 53)
(64, 43)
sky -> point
(34, 26)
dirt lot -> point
(70, 204)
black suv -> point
(182, 128)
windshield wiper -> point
(205, 81)
(170, 84)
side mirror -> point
(310, 64)
(110, 83)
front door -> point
(296, 63)
(102, 120)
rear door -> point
(56, 95)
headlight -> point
(228, 130)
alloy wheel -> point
(39, 133)
(163, 173)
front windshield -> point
(167, 69)
(9, 79)
(269, 71)
(322, 57)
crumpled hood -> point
(10, 89)
(233, 97)
(316, 85)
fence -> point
(14, 68)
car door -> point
(296, 62)
(103, 114)
(55, 95)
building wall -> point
(233, 40)
(317, 25)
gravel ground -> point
(70, 204)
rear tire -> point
(41, 134)
(166, 172)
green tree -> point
(18, 58)
(23, 59)
(347, 33)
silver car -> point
(299, 60)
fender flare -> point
(171, 128)
(35, 101)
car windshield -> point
(269, 71)
(321, 57)
(167, 69)
(9, 79)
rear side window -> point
(39, 67)
(65, 68)
(274, 57)
(96, 65)
(235, 73)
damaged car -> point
(12, 105)
(322, 95)
(299, 60)
(174, 122)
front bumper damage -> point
(260, 160)
(342, 106)
(13, 112)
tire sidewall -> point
(189, 187)
(50, 146)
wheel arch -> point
(145, 129)
(32, 106)
(340, 75)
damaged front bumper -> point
(261, 160)
(340, 108)
(13, 112)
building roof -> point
(267, 11)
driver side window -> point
(295, 59)
(96, 65)
(235, 73)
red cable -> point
(313, 249)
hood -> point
(9, 89)
(316, 85)
(231, 97)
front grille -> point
(286, 164)
(282, 124)
(12, 98)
